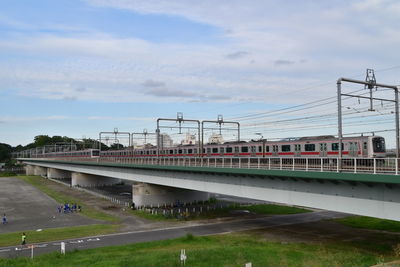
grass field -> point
(42, 184)
(370, 223)
(7, 174)
(51, 234)
(220, 250)
(266, 209)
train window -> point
(215, 150)
(190, 151)
(228, 150)
(297, 147)
(275, 148)
(335, 146)
(204, 150)
(236, 149)
(259, 148)
(365, 145)
(208, 150)
(245, 149)
(195, 151)
(95, 153)
(266, 148)
(180, 151)
(253, 149)
(285, 148)
(171, 151)
(221, 150)
(185, 151)
(309, 147)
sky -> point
(80, 67)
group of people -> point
(67, 208)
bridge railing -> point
(349, 165)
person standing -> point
(23, 239)
(4, 219)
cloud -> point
(70, 98)
(152, 84)
(236, 55)
(283, 62)
(165, 92)
(11, 119)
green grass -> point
(219, 250)
(7, 174)
(274, 209)
(370, 223)
(269, 209)
(51, 234)
(42, 184)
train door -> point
(322, 150)
(365, 149)
(236, 153)
(297, 150)
(222, 151)
(353, 149)
(275, 150)
(253, 151)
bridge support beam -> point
(58, 174)
(89, 180)
(40, 171)
(30, 170)
(144, 194)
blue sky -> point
(79, 67)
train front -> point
(378, 147)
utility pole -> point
(369, 83)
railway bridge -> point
(362, 189)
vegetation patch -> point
(7, 174)
(211, 212)
(219, 250)
(370, 223)
(43, 185)
(275, 209)
(52, 234)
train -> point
(310, 146)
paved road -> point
(27, 208)
(168, 233)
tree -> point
(5, 152)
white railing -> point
(348, 165)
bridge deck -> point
(316, 174)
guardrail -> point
(347, 165)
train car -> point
(316, 146)
(88, 153)
(312, 146)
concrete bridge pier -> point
(40, 171)
(58, 174)
(88, 180)
(30, 170)
(144, 194)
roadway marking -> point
(93, 239)
(76, 242)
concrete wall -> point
(58, 174)
(86, 180)
(40, 171)
(144, 194)
(30, 170)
